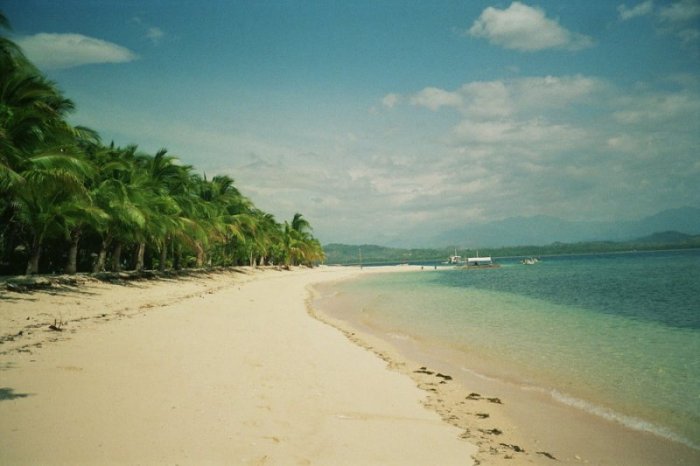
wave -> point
(630, 422)
(627, 421)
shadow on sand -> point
(9, 394)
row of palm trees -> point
(70, 203)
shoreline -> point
(544, 426)
(227, 368)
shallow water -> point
(616, 335)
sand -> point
(222, 369)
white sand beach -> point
(237, 367)
(223, 369)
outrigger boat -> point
(477, 262)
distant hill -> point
(664, 237)
(368, 254)
(541, 230)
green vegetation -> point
(347, 254)
(69, 203)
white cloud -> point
(659, 108)
(54, 51)
(681, 18)
(434, 98)
(682, 11)
(152, 33)
(541, 136)
(525, 28)
(641, 9)
(503, 98)
(553, 91)
(390, 100)
(491, 99)
(155, 34)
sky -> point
(382, 120)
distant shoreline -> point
(441, 260)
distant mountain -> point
(667, 237)
(371, 254)
(541, 230)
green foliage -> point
(69, 203)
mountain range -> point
(542, 230)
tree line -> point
(70, 203)
(371, 254)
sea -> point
(617, 335)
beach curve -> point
(182, 372)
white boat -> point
(530, 261)
(479, 261)
(455, 259)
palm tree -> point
(157, 176)
(49, 184)
(300, 224)
(267, 234)
(58, 182)
(298, 244)
(116, 193)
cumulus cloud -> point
(525, 28)
(642, 9)
(503, 98)
(434, 98)
(55, 51)
(659, 108)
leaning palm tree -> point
(41, 168)
(49, 184)
(300, 224)
(115, 192)
(77, 216)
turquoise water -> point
(617, 335)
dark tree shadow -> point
(9, 394)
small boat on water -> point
(479, 262)
(454, 259)
(530, 261)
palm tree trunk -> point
(163, 256)
(101, 257)
(139, 256)
(72, 266)
(200, 256)
(116, 258)
(177, 257)
(34, 255)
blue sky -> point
(390, 119)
